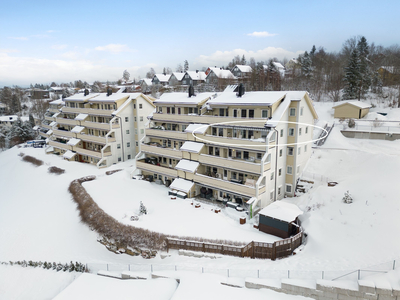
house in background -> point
(39, 94)
(145, 85)
(241, 71)
(389, 75)
(194, 78)
(176, 78)
(280, 219)
(220, 78)
(9, 120)
(161, 79)
(351, 109)
(3, 109)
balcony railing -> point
(60, 145)
(97, 139)
(167, 134)
(66, 121)
(92, 153)
(233, 142)
(158, 150)
(104, 126)
(149, 167)
(225, 185)
(65, 133)
(236, 164)
(89, 111)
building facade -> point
(249, 148)
(97, 128)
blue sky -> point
(45, 41)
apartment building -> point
(248, 148)
(97, 128)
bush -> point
(56, 170)
(32, 160)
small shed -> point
(351, 109)
(279, 219)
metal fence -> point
(250, 273)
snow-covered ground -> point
(39, 221)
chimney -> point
(109, 91)
(197, 71)
(191, 91)
(86, 92)
(240, 93)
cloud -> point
(21, 38)
(58, 47)
(114, 48)
(8, 50)
(71, 55)
(40, 36)
(261, 34)
(52, 31)
(220, 58)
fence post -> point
(175, 267)
(394, 264)
(359, 274)
(107, 267)
(202, 269)
(322, 274)
(258, 273)
(252, 249)
(288, 274)
(228, 272)
(151, 268)
(129, 267)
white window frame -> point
(271, 195)
(291, 131)
(290, 150)
(299, 131)
(289, 170)
(140, 105)
(305, 148)
(126, 119)
(128, 144)
(292, 112)
(127, 131)
(141, 119)
(288, 186)
(299, 151)
(301, 111)
(264, 111)
(306, 129)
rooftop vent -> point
(240, 93)
(191, 91)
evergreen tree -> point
(243, 60)
(365, 72)
(347, 198)
(352, 76)
(306, 65)
(126, 75)
(143, 210)
(185, 66)
(31, 120)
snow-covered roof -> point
(52, 124)
(81, 117)
(112, 98)
(182, 185)
(49, 149)
(178, 75)
(8, 118)
(249, 98)
(223, 74)
(57, 102)
(49, 132)
(197, 75)
(147, 81)
(81, 98)
(187, 165)
(358, 104)
(192, 147)
(162, 77)
(278, 65)
(183, 98)
(244, 69)
(56, 115)
(282, 211)
(35, 127)
(73, 142)
(197, 128)
(77, 129)
(69, 154)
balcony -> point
(236, 164)
(96, 139)
(60, 145)
(48, 118)
(104, 126)
(64, 133)
(149, 167)
(46, 126)
(53, 110)
(166, 134)
(233, 142)
(66, 121)
(156, 149)
(89, 111)
(208, 119)
(225, 185)
(92, 153)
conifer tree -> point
(352, 76)
(143, 210)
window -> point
(220, 132)
(221, 112)
(169, 143)
(301, 111)
(289, 169)
(292, 112)
(135, 131)
(290, 150)
(280, 153)
(168, 110)
(281, 132)
(134, 105)
(214, 131)
(291, 131)
(306, 129)
(128, 144)
(299, 131)
(126, 119)
(288, 188)
(173, 110)
(251, 113)
(238, 154)
(210, 150)
(183, 127)
(280, 172)
(245, 155)
(129, 156)
(271, 195)
(127, 132)
(195, 110)
(141, 119)
(235, 113)
(140, 105)
(305, 148)
(264, 113)
(298, 169)
(298, 151)
(259, 155)
(118, 146)
(137, 144)
(279, 190)
(119, 158)
(135, 119)
(179, 110)
(272, 175)
(216, 151)
(244, 113)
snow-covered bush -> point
(143, 209)
(351, 123)
(347, 198)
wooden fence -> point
(272, 251)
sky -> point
(45, 41)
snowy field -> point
(39, 221)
